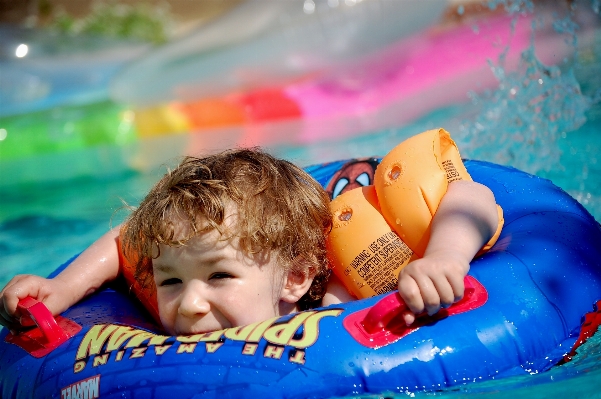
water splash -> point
(521, 120)
(513, 7)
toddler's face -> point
(209, 284)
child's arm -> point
(95, 266)
(336, 292)
(465, 220)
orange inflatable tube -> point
(408, 186)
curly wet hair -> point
(281, 211)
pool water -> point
(44, 224)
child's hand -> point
(465, 220)
(432, 282)
(50, 291)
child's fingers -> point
(411, 294)
(408, 317)
(433, 293)
(431, 298)
(7, 315)
(457, 285)
(8, 288)
(18, 288)
(429, 290)
(6, 310)
(444, 296)
(11, 300)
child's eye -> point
(220, 275)
(170, 281)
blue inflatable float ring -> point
(528, 297)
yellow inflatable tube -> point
(409, 183)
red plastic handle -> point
(50, 332)
(36, 311)
(383, 312)
(391, 306)
(379, 325)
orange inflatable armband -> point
(364, 252)
(377, 230)
(412, 179)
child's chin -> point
(193, 331)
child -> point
(239, 237)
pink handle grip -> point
(391, 306)
(383, 312)
(36, 311)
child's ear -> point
(297, 284)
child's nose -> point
(193, 301)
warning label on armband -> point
(451, 171)
(377, 264)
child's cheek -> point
(167, 308)
(168, 318)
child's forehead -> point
(203, 243)
(184, 226)
(211, 248)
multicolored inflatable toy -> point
(522, 313)
(392, 84)
(259, 44)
